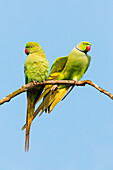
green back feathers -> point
(59, 64)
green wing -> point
(59, 64)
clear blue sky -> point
(78, 134)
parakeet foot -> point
(55, 87)
(34, 82)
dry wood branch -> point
(31, 85)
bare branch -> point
(31, 85)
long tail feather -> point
(44, 94)
(50, 101)
(29, 118)
(44, 105)
(23, 127)
(68, 93)
(58, 97)
(28, 133)
(47, 89)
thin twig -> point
(31, 85)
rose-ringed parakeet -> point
(71, 67)
(36, 69)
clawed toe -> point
(55, 87)
(34, 82)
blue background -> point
(78, 134)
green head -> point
(32, 47)
(83, 46)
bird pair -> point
(71, 67)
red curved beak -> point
(88, 48)
(26, 50)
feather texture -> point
(71, 67)
(35, 68)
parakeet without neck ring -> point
(36, 69)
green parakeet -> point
(36, 69)
(71, 67)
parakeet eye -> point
(83, 43)
(31, 46)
